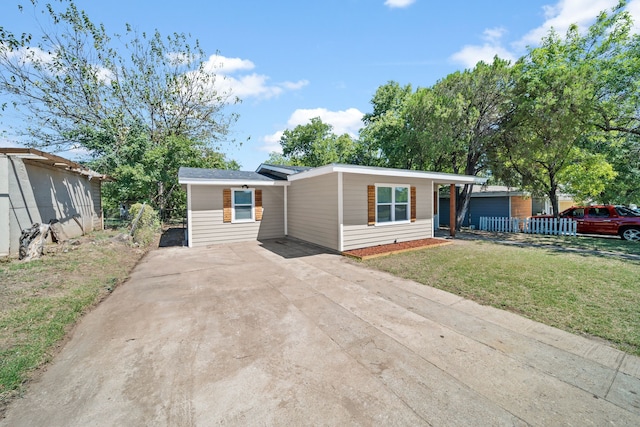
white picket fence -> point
(501, 224)
(556, 226)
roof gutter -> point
(231, 182)
(439, 178)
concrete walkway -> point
(282, 334)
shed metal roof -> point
(53, 160)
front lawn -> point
(594, 243)
(582, 292)
(42, 299)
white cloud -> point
(180, 58)
(104, 75)
(222, 65)
(246, 85)
(470, 55)
(25, 56)
(399, 3)
(564, 14)
(28, 55)
(347, 121)
(295, 85)
(559, 17)
(272, 143)
(634, 9)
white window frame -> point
(393, 204)
(233, 205)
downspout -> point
(189, 216)
(340, 214)
(452, 210)
(286, 225)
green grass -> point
(583, 293)
(40, 300)
(42, 323)
(586, 243)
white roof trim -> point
(30, 156)
(276, 169)
(231, 182)
(444, 178)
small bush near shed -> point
(146, 226)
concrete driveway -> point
(280, 333)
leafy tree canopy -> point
(444, 128)
(76, 75)
(314, 144)
(139, 104)
(571, 98)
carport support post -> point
(452, 210)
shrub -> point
(146, 226)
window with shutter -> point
(243, 203)
(391, 203)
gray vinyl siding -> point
(39, 193)
(357, 234)
(207, 227)
(313, 210)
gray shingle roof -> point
(220, 174)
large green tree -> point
(623, 154)
(143, 170)
(612, 51)
(75, 74)
(443, 128)
(450, 126)
(551, 102)
(568, 99)
(384, 128)
(314, 144)
(80, 87)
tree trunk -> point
(553, 197)
(462, 204)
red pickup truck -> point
(604, 219)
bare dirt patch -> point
(395, 248)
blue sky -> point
(291, 60)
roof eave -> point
(440, 178)
(230, 182)
(54, 161)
